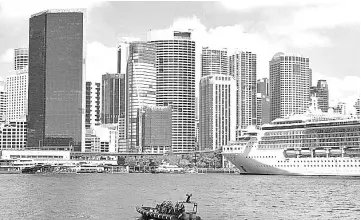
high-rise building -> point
(243, 67)
(263, 109)
(340, 108)
(56, 106)
(314, 104)
(263, 102)
(92, 104)
(289, 85)
(321, 93)
(214, 61)
(2, 101)
(123, 53)
(156, 134)
(17, 95)
(263, 86)
(122, 143)
(217, 124)
(357, 107)
(176, 87)
(141, 79)
(21, 58)
(110, 97)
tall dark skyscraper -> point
(112, 98)
(263, 102)
(56, 80)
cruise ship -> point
(299, 145)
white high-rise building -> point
(2, 101)
(141, 78)
(289, 85)
(123, 53)
(92, 104)
(17, 95)
(217, 124)
(243, 67)
(21, 58)
(176, 87)
(214, 61)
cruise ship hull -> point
(276, 164)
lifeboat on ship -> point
(291, 152)
(352, 151)
(320, 152)
(306, 152)
(337, 151)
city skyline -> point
(258, 27)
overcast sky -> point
(326, 31)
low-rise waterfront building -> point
(35, 154)
(13, 135)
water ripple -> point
(219, 196)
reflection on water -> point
(219, 196)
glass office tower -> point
(56, 80)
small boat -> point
(90, 168)
(168, 168)
(183, 210)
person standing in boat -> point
(188, 198)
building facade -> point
(3, 104)
(214, 61)
(92, 104)
(102, 138)
(263, 86)
(13, 135)
(263, 109)
(141, 79)
(243, 67)
(21, 58)
(263, 102)
(176, 87)
(289, 85)
(321, 93)
(56, 106)
(156, 133)
(217, 124)
(357, 107)
(17, 95)
(110, 97)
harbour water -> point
(219, 196)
